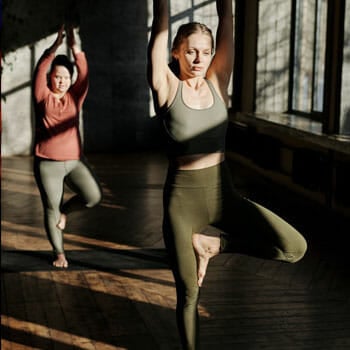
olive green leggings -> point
(51, 176)
(204, 201)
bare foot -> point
(61, 261)
(62, 222)
(205, 248)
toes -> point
(200, 281)
(202, 269)
(60, 264)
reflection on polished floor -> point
(118, 292)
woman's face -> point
(194, 55)
(60, 79)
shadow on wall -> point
(26, 22)
(116, 111)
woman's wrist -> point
(75, 49)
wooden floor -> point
(118, 292)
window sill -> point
(276, 124)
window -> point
(291, 56)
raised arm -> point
(58, 42)
(222, 63)
(158, 72)
(81, 85)
(71, 42)
(40, 88)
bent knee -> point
(293, 255)
(94, 200)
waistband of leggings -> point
(212, 175)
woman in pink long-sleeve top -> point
(58, 151)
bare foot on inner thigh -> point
(61, 261)
(205, 248)
(62, 222)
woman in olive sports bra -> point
(203, 214)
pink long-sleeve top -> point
(57, 120)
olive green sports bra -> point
(193, 131)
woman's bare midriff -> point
(198, 161)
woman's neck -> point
(195, 83)
(59, 95)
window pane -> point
(273, 56)
(303, 55)
(320, 54)
(309, 55)
(345, 100)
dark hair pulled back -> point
(62, 60)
